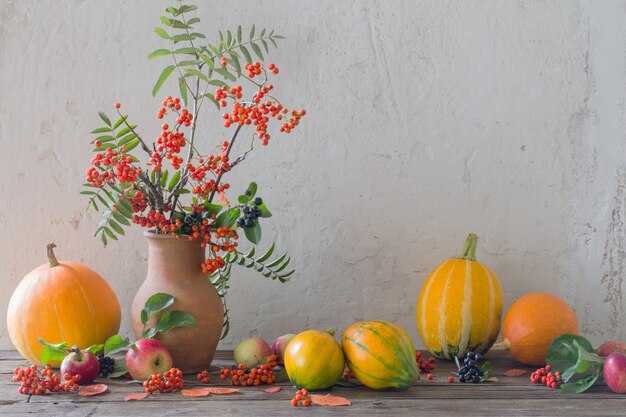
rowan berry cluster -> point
(261, 375)
(425, 366)
(169, 102)
(203, 377)
(253, 69)
(33, 383)
(545, 376)
(302, 396)
(168, 382)
(109, 166)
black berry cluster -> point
(189, 221)
(107, 364)
(470, 371)
(250, 213)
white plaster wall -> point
(426, 120)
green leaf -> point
(187, 50)
(116, 227)
(119, 369)
(193, 20)
(166, 73)
(186, 8)
(109, 233)
(246, 54)
(173, 181)
(198, 74)
(212, 98)
(218, 83)
(120, 121)
(103, 238)
(149, 333)
(224, 73)
(159, 52)
(95, 348)
(252, 32)
(87, 192)
(122, 132)
(183, 37)
(121, 219)
(211, 209)
(239, 34)
(234, 62)
(166, 21)
(157, 302)
(104, 138)
(182, 87)
(52, 351)
(132, 144)
(252, 188)
(276, 261)
(101, 130)
(161, 32)
(243, 199)
(257, 50)
(164, 176)
(267, 254)
(265, 213)
(563, 354)
(174, 318)
(115, 344)
(253, 233)
(581, 384)
(126, 139)
(223, 219)
(104, 118)
(267, 50)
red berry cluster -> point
(294, 121)
(260, 375)
(31, 383)
(253, 69)
(273, 68)
(425, 366)
(169, 102)
(168, 382)
(110, 166)
(302, 396)
(545, 376)
(185, 118)
(203, 377)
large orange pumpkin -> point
(61, 302)
(532, 322)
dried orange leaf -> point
(136, 396)
(95, 389)
(272, 389)
(197, 392)
(330, 400)
(222, 391)
(514, 372)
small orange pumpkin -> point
(61, 302)
(532, 323)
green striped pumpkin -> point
(380, 355)
(313, 360)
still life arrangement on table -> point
(64, 314)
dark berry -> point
(462, 378)
(248, 192)
(188, 220)
(247, 223)
(471, 363)
(478, 358)
(476, 379)
(252, 215)
(258, 201)
(246, 210)
(463, 370)
(473, 371)
(470, 355)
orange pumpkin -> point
(61, 302)
(532, 322)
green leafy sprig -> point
(574, 358)
(167, 321)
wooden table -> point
(512, 396)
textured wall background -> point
(426, 120)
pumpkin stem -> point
(504, 345)
(52, 260)
(469, 248)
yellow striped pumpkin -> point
(314, 360)
(460, 306)
(380, 355)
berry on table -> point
(450, 379)
(106, 363)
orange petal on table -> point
(197, 392)
(95, 389)
(272, 389)
(329, 400)
(222, 391)
(137, 396)
(515, 372)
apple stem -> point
(76, 350)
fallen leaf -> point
(222, 391)
(136, 396)
(197, 392)
(514, 372)
(272, 389)
(95, 389)
(223, 199)
(329, 400)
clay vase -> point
(174, 268)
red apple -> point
(615, 372)
(280, 344)
(252, 351)
(147, 357)
(81, 362)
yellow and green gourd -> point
(460, 306)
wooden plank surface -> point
(511, 396)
